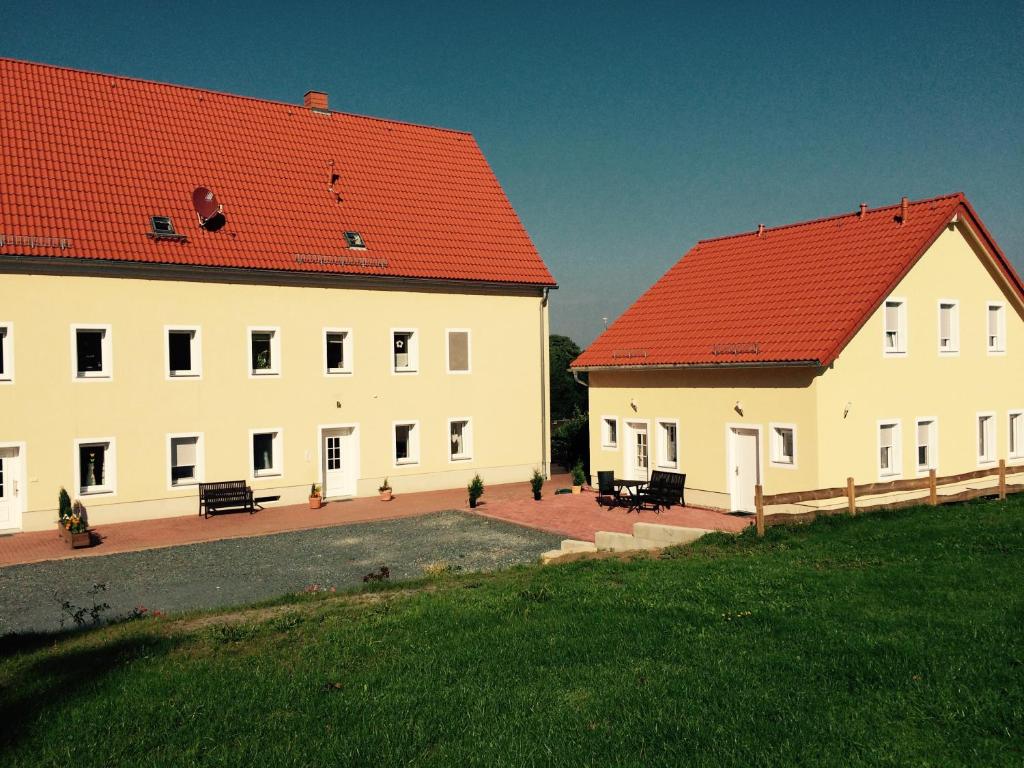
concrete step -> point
(616, 542)
(575, 545)
(656, 535)
(552, 555)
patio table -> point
(633, 488)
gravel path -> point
(223, 573)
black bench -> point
(665, 490)
(231, 494)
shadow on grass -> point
(56, 680)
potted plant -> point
(78, 527)
(315, 499)
(579, 477)
(385, 491)
(536, 483)
(476, 489)
(63, 513)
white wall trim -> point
(629, 446)
(618, 434)
(109, 489)
(415, 444)
(276, 368)
(1019, 453)
(897, 450)
(22, 448)
(200, 460)
(903, 333)
(107, 350)
(278, 453)
(772, 461)
(414, 352)
(934, 445)
(468, 439)
(730, 459)
(953, 351)
(347, 353)
(999, 351)
(469, 351)
(197, 353)
(321, 479)
(662, 444)
(994, 440)
(7, 377)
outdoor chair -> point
(607, 493)
(665, 490)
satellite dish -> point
(209, 211)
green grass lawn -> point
(888, 639)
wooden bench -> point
(230, 494)
(665, 490)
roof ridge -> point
(834, 217)
(196, 89)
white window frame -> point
(896, 470)
(606, 444)
(110, 466)
(902, 344)
(414, 351)
(989, 457)
(776, 459)
(277, 455)
(447, 351)
(467, 441)
(346, 351)
(954, 328)
(7, 329)
(200, 460)
(196, 351)
(275, 351)
(662, 443)
(1000, 347)
(933, 443)
(414, 443)
(1019, 452)
(107, 351)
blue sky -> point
(622, 132)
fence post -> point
(1002, 479)
(851, 496)
(933, 488)
(759, 506)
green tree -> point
(567, 397)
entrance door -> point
(745, 469)
(340, 458)
(637, 451)
(10, 490)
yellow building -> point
(876, 345)
(201, 287)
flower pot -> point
(576, 489)
(315, 502)
(385, 495)
(536, 495)
(472, 503)
(80, 540)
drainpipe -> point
(544, 439)
(581, 382)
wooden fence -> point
(929, 483)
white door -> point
(637, 452)
(10, 489)
(745, 468)
(340, 458)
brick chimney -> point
(315, 100)
(863, 209)
(904, 208)
(760, 230)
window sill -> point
(95, 491)
(668, 466)
(83, 376)
(407, 462)
(405, 370)
(782, 464)
(609, 447)
(262, 473)
(264, 373)
(183, 374)
(339, 372)
(461, 458)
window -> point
(458, 351)
(163, 227)
(407, 448)
(986, 438)
(949, 327)
(337, 351)
(668, 443)
(783, 445)
(405, 351)
(264, 352)
(1016, 434)
(94, 466)
(90, 346)
(609, 432)
(6, 352)
(460, 440)
(267, 458)
(996, 323)
(895, 327)
(354, 240)
(889, 449)
(185, 460)
(927, 445)
(183, 353)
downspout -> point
(581, 382)
(544, 383)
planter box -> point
(80, 540)
(315, 502)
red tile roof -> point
(88, 158)
(793, 294)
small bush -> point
(579, 476)
(536, 481)
(475, 488)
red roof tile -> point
(90, 157)
(794, 294)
